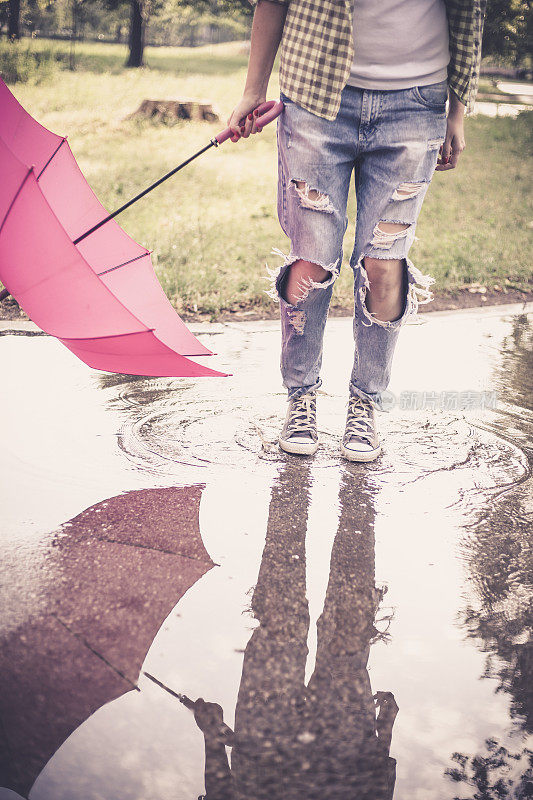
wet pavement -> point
(188, 611)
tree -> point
(137, 33)
(141, 10)
(508, 29)
(13, 20)
(496, 774)
(499, 556)
(4, 10)
(498, 553)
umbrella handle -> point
(267, 112)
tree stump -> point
(169, 111)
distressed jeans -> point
(391, 141)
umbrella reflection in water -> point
(112, 579)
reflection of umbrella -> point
(116, 572)
(88, 284)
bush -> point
(20, 63)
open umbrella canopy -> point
(100, 295)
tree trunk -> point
(13, 27)
(136, 39)
(73, 36)
(4, 17)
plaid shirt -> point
(317, 51)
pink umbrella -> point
(73, 269)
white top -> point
(399, 43)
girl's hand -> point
(210, 719)
(208, 715)
(454, 142)
(242, 119)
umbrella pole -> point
(187, 702)
(213, 143)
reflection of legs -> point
(272, 683)
(279, 601)
(346, 625)
(340, 688)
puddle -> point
(353, 631)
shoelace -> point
(303, 416)
(359, 420)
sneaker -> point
(360, 441)
(299, 434)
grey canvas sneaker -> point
(299, 434)
(360, 441)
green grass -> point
(488, 87)
(212, 226)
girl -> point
(365, 87)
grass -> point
(212, 226)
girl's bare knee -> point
(306, 269)
(299, 275)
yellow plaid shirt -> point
(317, 51)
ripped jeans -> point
(391, 140)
